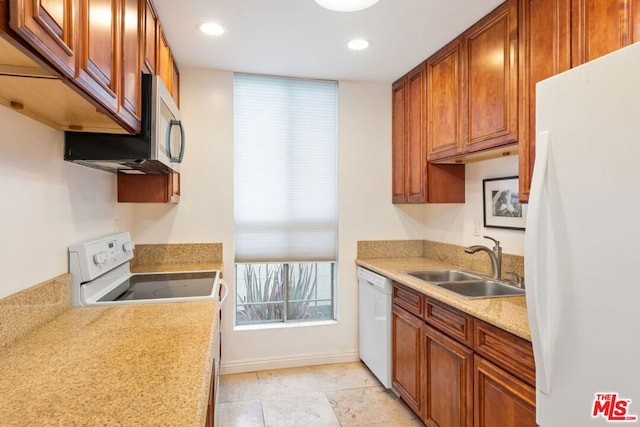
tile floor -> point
(341, 395)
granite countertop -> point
(139, 364)
(509, 313)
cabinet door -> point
(175, 80)
(501, 400)
(99, 62)
(151, 188)
(150, 39)
(416, 147)
(398, 137)
(407, 357)
(449, 381)
(130, 98)
(545, 50)
(49, 26)
(165, 62)
(492, 92)
(444, 103)
(602, 26)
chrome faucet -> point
(495, 255)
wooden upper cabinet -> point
(49, 26)
(175, 83)
(602, 26)
(150, 36)
(445, 77)
(99, 62)
(164, 62)
(130, 105)
(415, 142)
(491, 105)
(545, 50)
(398, 94)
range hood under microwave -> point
(158, 148)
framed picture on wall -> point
(502, 207)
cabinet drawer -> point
(409, 299)
(512, 353)
(454, 323)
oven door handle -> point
(226, 292)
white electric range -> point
(101, 275)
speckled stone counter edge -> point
(31, 308)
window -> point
(285, 198)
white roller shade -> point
(285, 166)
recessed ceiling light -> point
(346, 5)
(211, 28)
(358, 44)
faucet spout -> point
(495, 255)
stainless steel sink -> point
(437, 276)
(467, 285)
(481, 288)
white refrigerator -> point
(582, 244)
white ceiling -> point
(298, 38)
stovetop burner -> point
(164, 285)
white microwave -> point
(158, 148)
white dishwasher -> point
(374, 304)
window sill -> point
(283, 325)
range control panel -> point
(96, 257)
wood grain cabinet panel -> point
(409, 299)
(130, 104)
(99, 48)
(512, 353)
(445, 77)
(491, 107)
(415, 143)
(164, 63)
(150, 36)
(49, 26)
(545, 50)
(448, 381)
(151, 188)
(454, 323)
(500, 399)
(406, 371)
(603, 26)
(398, 136)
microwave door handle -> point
(173, 123)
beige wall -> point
(47, 203)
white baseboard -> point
(241, 366)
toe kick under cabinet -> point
(453, 369)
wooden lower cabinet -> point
(454, 370)
(448, 394)
(407, 357)
(501, 399)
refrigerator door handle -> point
(536, 285)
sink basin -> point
(436, 276)
(481, 288)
